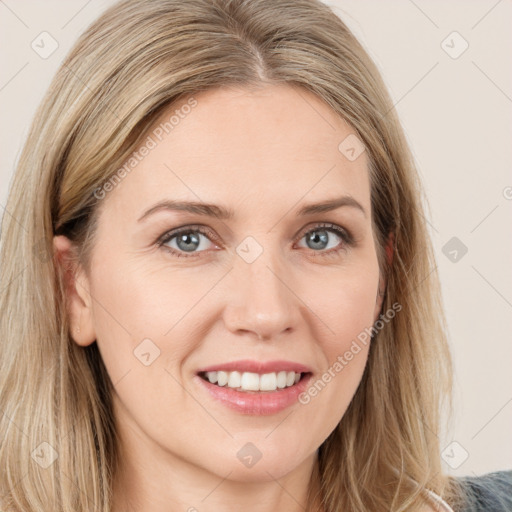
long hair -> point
(58, 446)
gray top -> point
(491, 492)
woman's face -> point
(265, 291)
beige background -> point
(457, 113)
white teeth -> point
(281, 380)
(248, 381)
(268, 382)
(235, 378)
(222, 378)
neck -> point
(165, 483)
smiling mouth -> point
(249, 382)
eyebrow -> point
(222, 213)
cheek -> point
(143, 328)
(130, 310)
(148, 313)
(345, 303)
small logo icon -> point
(454, 250)
(454, 45)
(44, 45)
(249, 249)
(249, 455)
(146, 352)
(454, 455)
(351, 147)
(45, 455)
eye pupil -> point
(183, 237)
(323, 238)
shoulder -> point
(491, 492)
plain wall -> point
(457, 113)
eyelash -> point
(346, 237)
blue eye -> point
(187, 241)
(320, 236)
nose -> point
(262, 301)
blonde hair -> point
(135, 60)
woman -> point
(222, 295)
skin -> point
(263, 153)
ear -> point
(77, 294)
(389, 249)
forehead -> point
(272, 145)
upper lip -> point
(261, 367)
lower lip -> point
(260, 403)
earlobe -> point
(76, 289)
